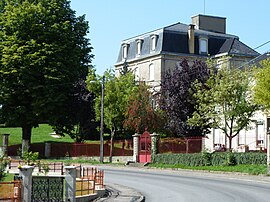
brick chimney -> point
(191, 39)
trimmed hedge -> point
(212, 159)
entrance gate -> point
(47, 189)
(145, 148)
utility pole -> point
(102, 121)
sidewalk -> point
(119, 193)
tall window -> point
(137, 74)
(139, 46)
(151, 72)
(203, 46)
(153, 42)
(124, 51)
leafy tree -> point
(262, 85)
(225, 102)
(141, 115)
(43, 53)
(117, 91)
(177, 97)
(82, 114)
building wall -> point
(247, 138)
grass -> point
(8, 177)
(39, 134)
(250, 169)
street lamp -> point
(102, 121)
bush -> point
(212, 159)
(4, 161)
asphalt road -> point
(188, 186)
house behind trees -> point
(150, 55)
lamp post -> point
(102, 121)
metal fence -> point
(120, 148)
(10, 191)
(180, 145)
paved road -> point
(187, 186)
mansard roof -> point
(173, 39)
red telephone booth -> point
(145, 148)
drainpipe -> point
(191, 39)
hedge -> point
(214, 159)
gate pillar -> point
(5, 144)
(136, 147)
(26, 173)
(70, 183)
(154, 143)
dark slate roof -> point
(173, 39)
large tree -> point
(43, 53)
(177, 97)
(225, 102)
(262, 85)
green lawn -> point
(39, 134)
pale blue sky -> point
(112, 21)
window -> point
(124, 51)
(137, 74)
(153, 42)
(151, 72)
(139, 46)
(203, 46)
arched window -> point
(124, 51)
(137, 74)
(139, 46)
(153, 42)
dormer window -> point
(139, 46)
(153, 42)
(203, 43)
(124, 51)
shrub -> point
(214, 159)
(4, 161)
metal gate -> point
(145, 148)
(47, 189)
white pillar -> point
(268, 152)
(47, 149)
(70, 183)
(26, 173)
(136, 147)
(154, 144)
(25, 146)
(5, 144)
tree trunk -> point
(230, 143)
(26, 137)
(111, 148)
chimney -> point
(210, 23)
(191, 38)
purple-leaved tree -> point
(177, 100)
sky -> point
(112, 21)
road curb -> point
(120, 193)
